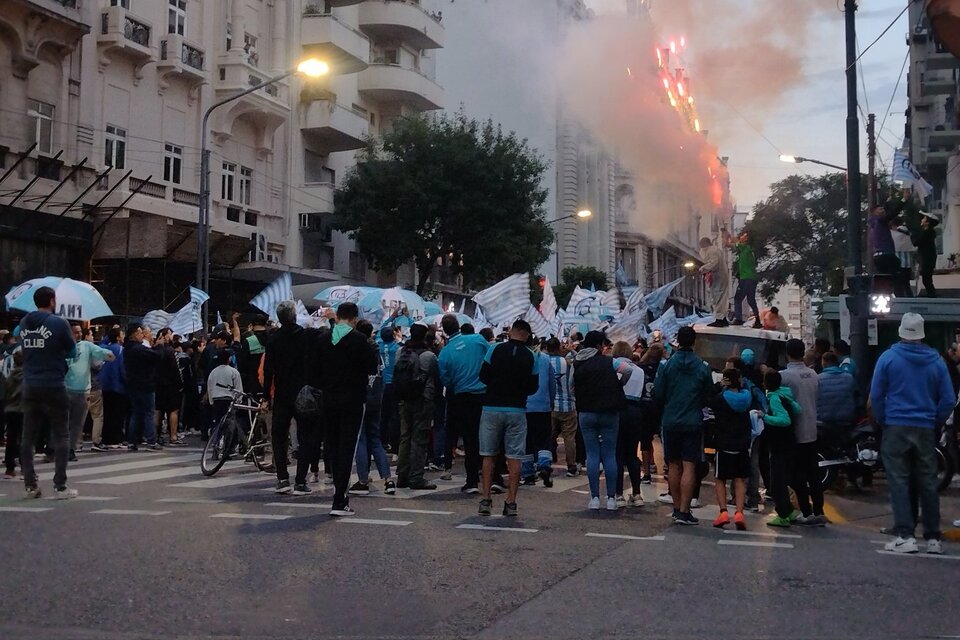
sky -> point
(808, 118)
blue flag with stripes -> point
(276, 292)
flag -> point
(479, 320)
(904, 171)
(635, 301)
(187, 320)
(627, 328)
(276, 292)
(584, 307)
(548, 306)
(667, 324)
(609, 304)
(620, 276)
(219, 318)
(507, 300)
(304, 319)
(658, 297)
(539, 324)
(157, 319)
(198, 296)
(695, 318)
(463, 305)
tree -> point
(573, 277)
(448, 191)
(800, 234)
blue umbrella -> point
(76, 300)
(437, 317)
(432, 308)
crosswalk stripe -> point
(299, 505)
(763, 534)
(389, 523)
(26, 509)
(423, 511)
(250, 516)
(929, 556)
(87, 498)
(483, 527)
(155, 475)
(190, 500)
(625, 537)
(226, 481)
(755, 543)
(130, 512)
(143, 463)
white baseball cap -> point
(911, 327)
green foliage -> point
(448, 190)
(572, 277)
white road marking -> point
(931, 556)
(763, 534)
(143, 463)
(130, 512)
(483, 527)
(619, 536)
(423, 511)
(755, 543)
(87, 498)
(586, 493)
(26, 509)
(190, 500)
(299, 505)
(250, 516)
(155, 475)
(227, 481)
(389, 523)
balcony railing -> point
(255, 81)
(136, 31)
(69, 4)
(192, 56)
(151, 189)
(181, 196)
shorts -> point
(506, 428)
(685, 446)
(732, 464)
(649, 424)
(168, 400)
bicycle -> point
(252, 438)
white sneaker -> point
(621, 502)
(446, 475)
(328, 479)
(935, 547)
(695, 503)
(594, 504)
(636, 500)
(612, 504)
(314, 478)
(665, 498)
(956, 523)
(902, 545)
(65, 494)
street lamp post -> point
(312, 68)
(582, 214)
(799, 159)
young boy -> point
(13, 409)
(779, 433)
(732, 430)
(221, 380)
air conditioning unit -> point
(258, 252)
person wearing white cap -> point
(911, 394)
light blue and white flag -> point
(539, 324)
(479, 320)
(187, 320)
(548, 306)
(667, 324)
(198, 296)
(695, 318)
(219, 318)
(157, 319)
(635, 301)
(905, 172)
(276, 292)
(656, 299)
(505, 301)
(627, 327)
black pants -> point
(782, 463)
(539, 429)
(45, 411)
(926, 275)
(628, 441)
(463, 421)
(390, 418)
(280, 439)
(341, 424)
(806, 473)
(114, 417)
(416, 418)
(14, 432)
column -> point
(278, 59)
(237, 26)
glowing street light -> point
(689, 264)
(584, 213)
(313, 68)
(799, 159)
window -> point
(358, 266)
(250, 48)
(314, 169)
(229, 37)
(177, 16)
(115, 147)
(42, 114)
(233, 214)
(172, 163)
(250, 218)
(120, 3)
(246, 185)
(794, 304)
(227, 180)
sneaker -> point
(497, 488)
(594, 504)
(803, 520)
(529, 481)
(32, 493)
(80, 447)
(486, 507)
(343, 512)
(636, 500)
(956, 523)
(10, 474)
(301, 490)
(665, 498)
(573, 472)
(722, 520)
(423, 486)
(740, 523)
(389, 487)
(98, 446)
(175, 443)
(446, 475)
(359, 489)
(314, 478)
(63, 493)
(685, 518)
(612, 504)
(819, 521)
(114, 447)
(695, 503)
(778, 521)
(469, 488)
(675, 514)
(902, 545)
(434, 467)
(328, 479)
(283, 486)
(72, 457)
(935, 547)
(621, 502)
(547, 476)
(510, 509)
(646, 479)
(757, 324)
(154, 447)
(752, 506)
(794, 516)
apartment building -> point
(101, 104)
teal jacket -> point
(777, 416)
(681, 389)
(460, 363)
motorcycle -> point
(856, 450)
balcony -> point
(942, 61)
(267, 109)
(323, 36)
(315, 197)
(939, 83)
(57, 24)
(126, 35)
(329, 127)
(180, 58)
(402, 20)
(393, 83)
(943, 138)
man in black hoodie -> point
(140, 364)
(345, 360)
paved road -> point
(154, 550)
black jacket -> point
(595, 383)
(731, 430)
(510, 373)
(140, 364)
(345, 367)
(168, 371)
(288, 353)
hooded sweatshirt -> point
(803, 382)
(460, 363)
(911, 387)
(346, 360)
(778, 416)
(681, 388)
(596, 383)
(732, 428)
(47, 342)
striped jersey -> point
(562, 373)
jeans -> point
(463, 420)
(600, 439)
(45, 411)
(283, 415)
(77, 412)
(909, 454)
(370, 444)
(341, 422)
(628, 441)
(807, 478)
(141, 417)
(416, 417)
(538, 456)
(745, 289)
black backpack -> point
(408, 380)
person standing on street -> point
(630, 432)
(370, 443)
(389, 346)
(78, 384)
(649, 411)
(539, 460)
(345, 362)
(717, 277)
(783, 411)
(510, 373)
(13, 414)
(47, 343)
(114, 389)
(140, 363)
(564, 416)
(746, 278)
(910, 396)
(169, 386)
(681, 388)
(804, 384)
(731, 439)
(416, 382)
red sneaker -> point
(722, 520)
(739, 522)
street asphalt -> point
(153, 550)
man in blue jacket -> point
(910, 395)
(836, 394)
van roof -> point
(742, 331)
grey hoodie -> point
(803, 383)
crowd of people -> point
(411, 401)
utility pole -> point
(871, 180)
(857, 283)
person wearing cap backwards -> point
(911, 395)
(925, 240)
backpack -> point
(408, 380)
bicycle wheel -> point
(261, 449)
(945, 468)
(217, 449)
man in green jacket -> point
(681, 388)
(746, 277)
